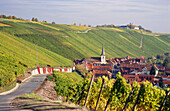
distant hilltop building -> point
(124, 27)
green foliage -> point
(167, 62)
(81, 70)
(64, 81)
(50, 77)
(36, 19)
(33, 19)
(150, 96)
(161, 83)
(17, 55)
(167, 104)
(153, 70)
(121, 90)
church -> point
(97, 60)
(99, 66)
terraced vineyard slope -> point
(59, 44)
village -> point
(132, 69)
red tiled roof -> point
(166, 82)
(100, 72)
(167, 69)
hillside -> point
(59, 44)
(65, 41)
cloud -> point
(143, 12)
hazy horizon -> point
(153, 14)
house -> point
(124, 27)
(132, 77)
(166, 80)
(100, 73)
(136, 28)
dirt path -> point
(141, 43)
(86, 31)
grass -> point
(37, 103)
(31, 96)
(74, 76)
(7, 88)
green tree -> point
(158, 56)
(36, 19)
(14, 17)
(152, 71)
(4, 16)
(140, 27)
(167, 62)
(112, 25)
(89, 25)
(161, 82)
(53, 22)
(33, 19)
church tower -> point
(103, 58)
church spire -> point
(103, 58)
(103, 53)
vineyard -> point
(111, 95)
(17, 55)
(65, 41)
(24, 44)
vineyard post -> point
(99, 94)
(137, 97)
(89, 90)
(127, 100)
(167, 93)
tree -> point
(53, 22)
(131, 26)
(158, 56)
(74, 24)
(161, 82)
(33, 19)
(89, 25)
(14, 17)
(4, 16)
(166, 62)
(112, 25)
(140, 27)
(162, 57)
(9, 17)
(36, 19)
(44, 21)
(152, 71)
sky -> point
(150, 14)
